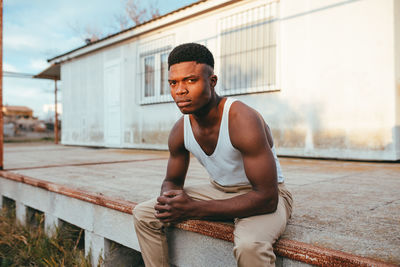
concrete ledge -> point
(291, 249)
(98, 199)
(320, 256)
(219, 230)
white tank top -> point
(225, 164)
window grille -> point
(153, 72)
(248, 51)
(164, 90)
(149, 76)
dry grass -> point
(30, 246)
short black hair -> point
(191, 52)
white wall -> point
(396, 11)
(83, 101)
(337, 76)
(336, 70)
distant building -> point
(325, 75)
(19, 119)
(17, 112)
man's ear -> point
(213, 80)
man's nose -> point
(181, 89)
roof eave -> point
(154, 24)
(52, 73)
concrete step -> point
(108, 219)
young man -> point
(234, 144)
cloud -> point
(9, 67)
(25, 93)
(38, 64)
(49, 108)
(20, 42)
(33, 93)
(35, 31)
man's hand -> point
(174, 206)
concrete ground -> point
(348, 206)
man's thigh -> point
(209, 192)
(262, 228)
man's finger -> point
(162, 208)
(163, 200)
(162, 216)
(172, 193)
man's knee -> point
(254, 253)
(251, 247)
(137, 213)
(144, 212)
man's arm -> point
(249, 136)
(178, 160)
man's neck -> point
(210, 114)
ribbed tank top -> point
(225, 164)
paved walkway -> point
(348, 206)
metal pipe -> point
(55, 113)
(1, 87)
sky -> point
(36, 30)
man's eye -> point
(172, 83)
(192, 80)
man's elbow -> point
(272, 203)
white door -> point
(112, 103)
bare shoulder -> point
(247, 128)
(241, 110)
(176, 137)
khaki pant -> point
(253, 236)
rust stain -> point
(370, 139)
(116, 204)
(320, 256)
(155, 137)
(84, 164)
(136, 135)
(291, 249)
(42, 185)
(96, 136)
(356, 139)
(217, 230)
(329, 139)
(289, 137)
(139, 152)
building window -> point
(248, 51)
(154, 76)
(164, 90)
(153, 70)
(149, 76)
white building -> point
(324, 74)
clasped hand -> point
(173, 206)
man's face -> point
(192, 85)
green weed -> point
(30, 246)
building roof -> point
(17, 108)
(176, 16)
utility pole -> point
(55, 113)
(1, 87)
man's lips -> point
(183, 103)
